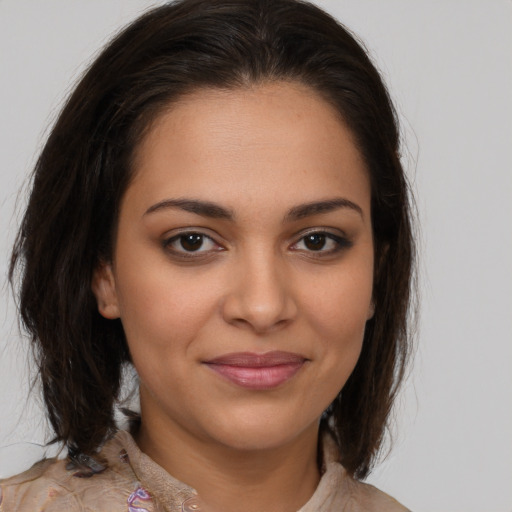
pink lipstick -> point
(257, 371)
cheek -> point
(337, 310)
(340, 301)
(163, 311)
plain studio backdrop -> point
(448, 65)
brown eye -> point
(191, 241)
(191, 244)
(315, 241)
(321, 243)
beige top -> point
(135, 483)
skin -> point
(254, 285)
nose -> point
(260, 297)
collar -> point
(176, 496)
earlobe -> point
(104, 288)
(371, 310)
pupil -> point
(315, 242)
(192, 242)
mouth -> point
(257, 371)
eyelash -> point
(341, 243)
(190, 255)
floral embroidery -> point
(139, 494)
(123, 456)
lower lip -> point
(265, 377)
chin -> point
(260, 436)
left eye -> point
(191, 243)
(321, 242)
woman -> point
(222, 205)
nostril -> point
(259, 320)
(260, 299)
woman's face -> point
(243, 265)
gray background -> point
(449, 67)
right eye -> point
(191, 244)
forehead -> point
(277, 141)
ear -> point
(104, 288)
(371, 310)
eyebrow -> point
(203, 208)
(319, 207)
(215, 211)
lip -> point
(257, 371)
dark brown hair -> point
(86, 165)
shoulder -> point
(51, 485)
(366, 497)
(338, 490)
(40, 486)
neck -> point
(271, 479)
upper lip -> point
(254, 360)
